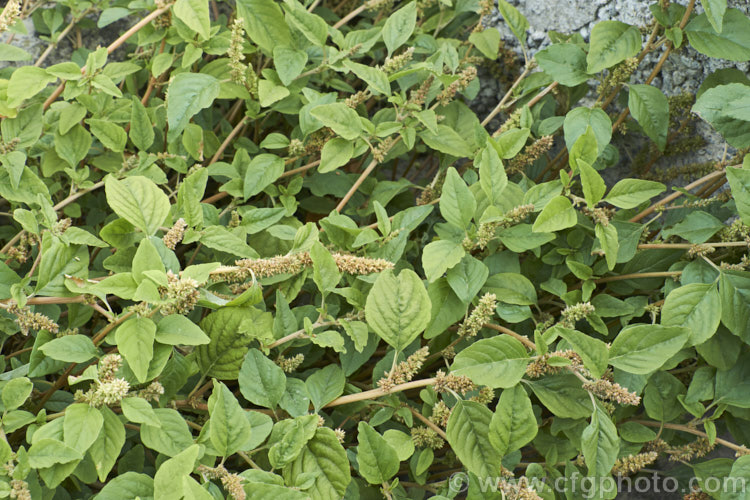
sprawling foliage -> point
(269, 251)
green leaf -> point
(81, 426)
(375, 78)
(600, 444)
(222, 239)
(697, 227)
(141, 129)
(439, 256)
(557, 215)
(230, 430)
(325, 385)
(612, 42)
(514, 19)
(135, 341)
(725, 108)
(593, 184)
(127, 485)
(168, 480)
(642, 349)
(468, 433)
(340, 118)
(511, 288)
(457, 203)
(326, 273)
(492, 176)
(139, 201)
(447, 141)
(195, 14)
(650, 108)
(14, 162)
(47, 452)
(188, 93)
(16, 392)
(223, 356)
(584, 150)
(265, 24)
(467, 278)
(715, 10)
(178, 330)
(262, 171)
(326, 459)
(74, 145)
(311, 25)
(70, 348)
(12, 53)
(59, 260)
(487, 42)
(513, 424)
(378, 461)
(399, 26)
(106, 449)
(593, 352)
(564, 62)
(609, 241)
(732, 42)
(695, 306)
(170, 437)
(261, 380)
(398, 308)
(629, 193)
(563, 396)
(335, 153)
(110, 135)
(734, 287)
(577, 122)
(739, 181)
(26, 82)
(289, 63)
(495, 362)
(140, 411)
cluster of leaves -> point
(273, 253)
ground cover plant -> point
(271, 252)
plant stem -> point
(675, 195)
(689, 430)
